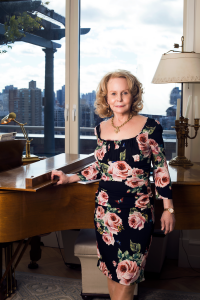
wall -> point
(189, 242)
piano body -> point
(31, 204)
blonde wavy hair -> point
(135, 88)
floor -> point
(52, 263)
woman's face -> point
(119, 97)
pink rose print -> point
(96, 163)
(114, 263)
(142, 202)
(104, 177)
(116, 146)
(119, 170)
(99, 154)
(108, 238)
(161, 176)
(136, 220)
(127, 272)
(134, 182)
(136, 157)
(99, 142)
(112, 222)
(110, 276)
(90, 173)
(158, 158)
(154, 146)
(100, 212)
(102, 198)
(103, 268)
(142, 139)
(136, 172)
(98, 224)
(144, 259)
(143, 144)
(98, 253)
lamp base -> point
(180, 161)
(31, 159)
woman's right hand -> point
(63, 178)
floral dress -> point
(124, 204)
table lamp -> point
(28, 158)
(181, 67)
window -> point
(129, 35)
(23, 80)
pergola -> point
(43, 38)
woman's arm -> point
(162, 179)
(90, 173)
(63, 178)
(167, 219)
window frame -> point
(72, 80)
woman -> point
(127, 143)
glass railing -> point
(87, 139)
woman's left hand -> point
(167, 222)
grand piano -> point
(31, 204)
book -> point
(7, 136)
(84, 182)
(88, 182)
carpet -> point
(43, 287)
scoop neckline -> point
(123, 139)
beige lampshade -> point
(178, 67)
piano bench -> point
(94, 282)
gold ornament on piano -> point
(28, 158)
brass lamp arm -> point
(196, 127)
(23, 130)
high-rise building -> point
(90, 97)
(26, 103)
(59, 120)
(63, 95)
(32, 84)
(8, 88)
(59, 97)
(14, 103)
(4, 105)
(31, 105)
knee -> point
(128, 289)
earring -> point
(109, 109)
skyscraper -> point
(59, 96)
(32, 84)
(26, 103)
(63, 95)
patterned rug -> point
(43, 287)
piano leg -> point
(7, 282)
(35, 253)
(2, 289)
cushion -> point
(86, 243)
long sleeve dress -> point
(124, 204)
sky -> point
(126, 34)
